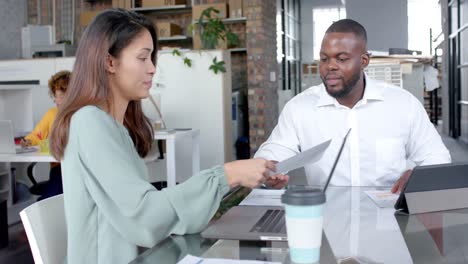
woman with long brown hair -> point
(101, 135)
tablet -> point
(435, 188)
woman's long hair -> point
(109, 33)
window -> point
(423, 15)
(288, 41)
(323, 17)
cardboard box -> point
(197, 44)
(156, 3)
(166, 29)
(235, 8)
(125, 4)
(198, 9)
(87, 16)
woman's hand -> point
(248, 173)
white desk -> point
(27, 157)
(171, 139)
(13, 216)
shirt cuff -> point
(223, 183)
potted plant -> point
(211, 30)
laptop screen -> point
(336, 161)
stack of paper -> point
(383, 198)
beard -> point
(347, 86)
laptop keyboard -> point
(20, 149)
(271, 222)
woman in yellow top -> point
(58, 85)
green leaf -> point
(176, 52)
(217, 66)
(188, 62)
(207, 12)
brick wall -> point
(261, 61)
(239, 71)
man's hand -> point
(277, 181)
(401, 183)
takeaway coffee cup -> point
(304, 221)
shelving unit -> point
(165, 9)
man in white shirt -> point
(389, 125)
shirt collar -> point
(372, 92)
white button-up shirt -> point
(389, 128)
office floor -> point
(18, 250)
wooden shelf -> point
(238, 50)
(167, 9)
(230, 20)
(235, 20)
(175, 38)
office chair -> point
(47, 188)
(37, 188)
(46, 228)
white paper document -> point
(263, 197)
(189, 259)
(303, 158)
(383, 198)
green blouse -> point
(110, 207)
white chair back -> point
(45, 226)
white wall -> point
(27, 106)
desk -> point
(23, 157)
(27, 157)
(356, 230)
(7, 180)
(171, 139)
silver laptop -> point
(7, 140)
(257, 222)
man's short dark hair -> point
(348, 26)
